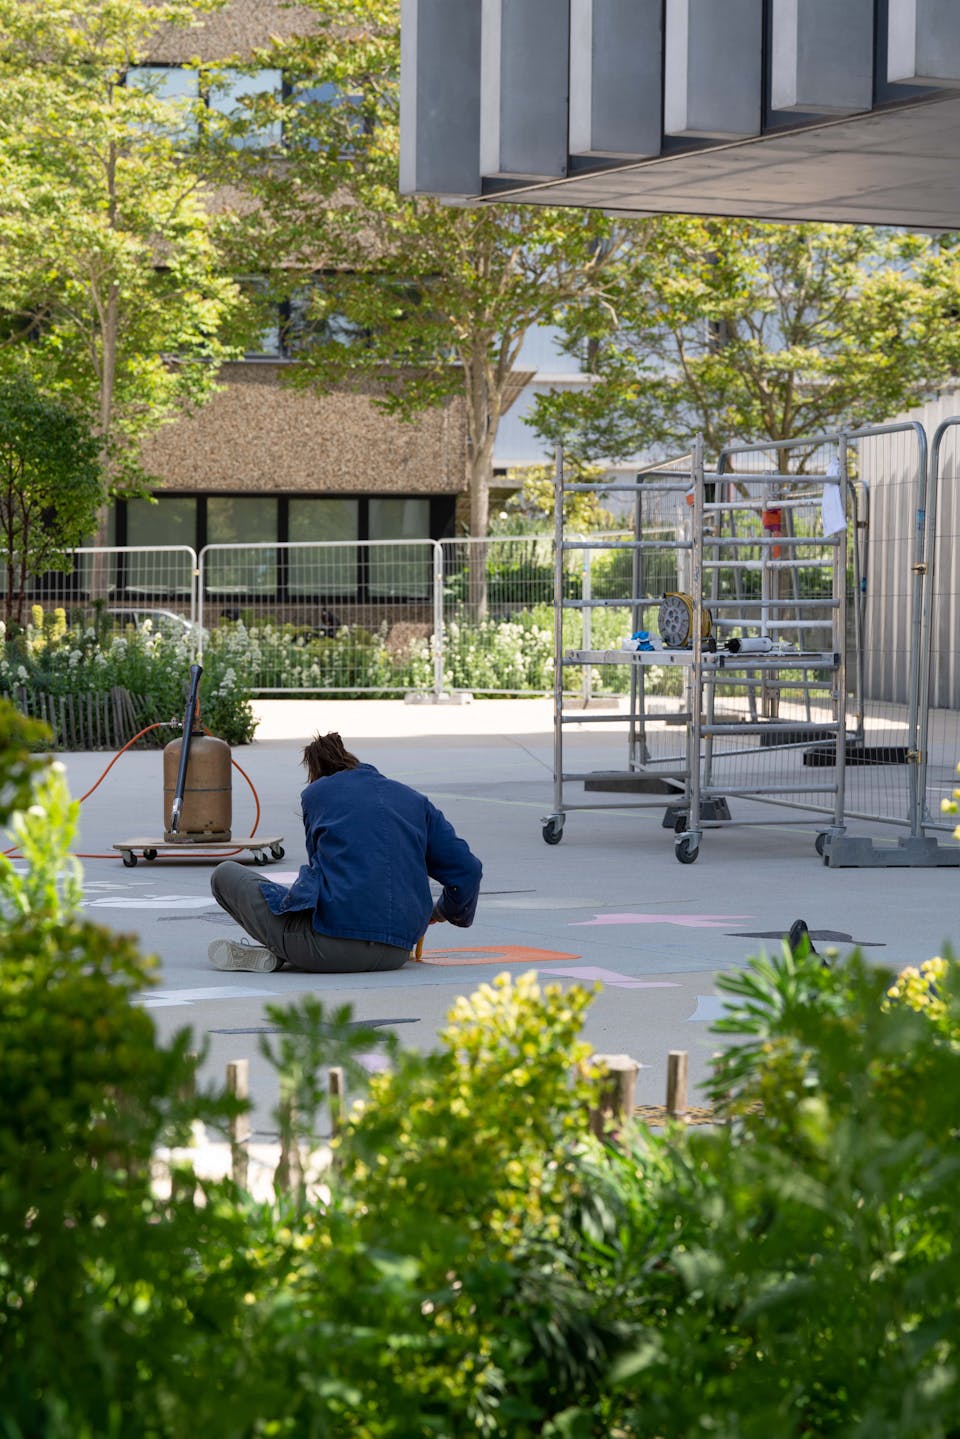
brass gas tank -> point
(207, 812)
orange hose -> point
(13, 852)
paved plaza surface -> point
(610, 903)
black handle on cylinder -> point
(190, 713)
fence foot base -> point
(714, 810)
(423, 697)
(853, 852)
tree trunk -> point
(480, 475)
(100, 568)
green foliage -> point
(749, 331)
(509, 654)
(110, 1299)
(476, 1263)
(530, 510)
(99, 186)
(51, 486)
(19, 765)
(420, 302)
(437, 1281)
(57, 659)
(950, 806)
(808, 1280)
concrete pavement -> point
(609, 903)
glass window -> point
(231, 95)
(329, 569)
(263, 316)
(322, 102)
(401, 571)
(178, 87)
(171, 520)
(308, 323)
(249, 522)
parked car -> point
(166, 622)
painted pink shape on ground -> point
(688, 921)
(612, 977)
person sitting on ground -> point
(362, 901)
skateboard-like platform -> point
(265, 849)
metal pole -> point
(188, 718)
(558, 630)
(198, 582)
(839, 629)
(696, 668)
(437, 619)
(586, 593)
(924, 570)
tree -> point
(111, 285)
(51, 486)
(429, 302)
(747, 331)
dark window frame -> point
(442, 511)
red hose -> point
(13, 852)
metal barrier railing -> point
(124, 584)
(391, 616)
(938, 739)
(888, 589)
(344, 616)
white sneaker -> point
(234, 954)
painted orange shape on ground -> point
(497, 954)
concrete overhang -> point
(823, 110)
(898, 166)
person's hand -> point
(437, 917)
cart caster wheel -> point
(687, 850)
(149, 854)
(680, 824)
(129, 859)
(820, 844)
(278, 851)
(259, 857)
(552, 832)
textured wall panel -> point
(240, 27)
(259, 435)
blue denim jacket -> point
(371, 845)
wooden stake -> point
(335, 1080)
(238, 1084)
(677, 1082)
(288, 1175)
(618, 1095)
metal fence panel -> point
(124, 584)
(939, 739)
(886, 466)
(348, 617)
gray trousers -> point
(292, 937)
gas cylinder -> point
(207, 812)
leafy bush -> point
(493, 656)
(477, 1263)
(109, 1299)
(49, 656)
(807, 1281)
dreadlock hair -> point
(325, 755)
